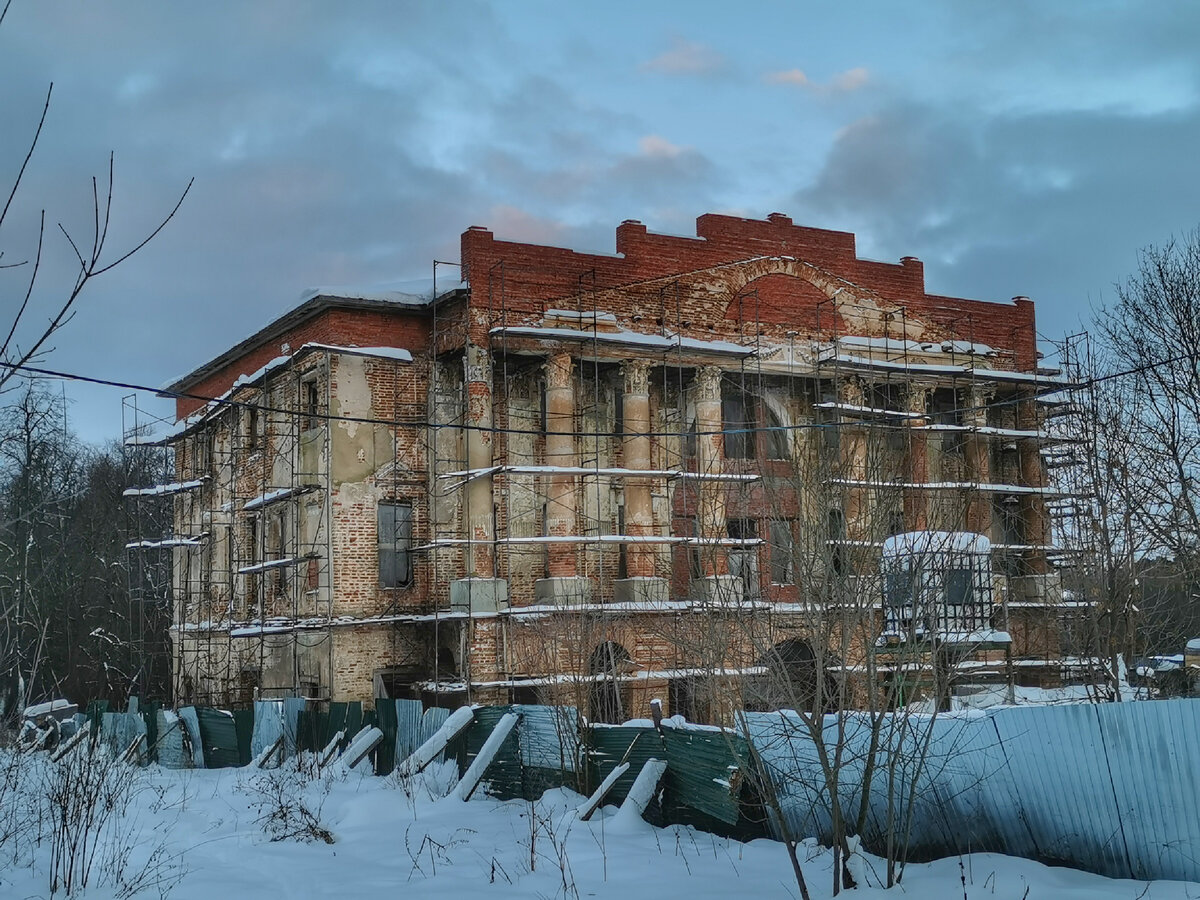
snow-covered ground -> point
(208, 835)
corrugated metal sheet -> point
(503, 777)
(704, 771)
(218, 731)
(433, 719)
(191, 725)
(1154, 752)
(409, 714)
(169, 739)
(385, 753)
(548, 736)
(1110, 788)
(268, 725)
(607, 746)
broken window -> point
(395, 543)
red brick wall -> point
(524, 278)
(409, 329)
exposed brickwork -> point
(475, 398)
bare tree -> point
(26, 338)
(1144, 419)
(22, 345)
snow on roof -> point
(415, 292)
(917, 542)
(396, 353)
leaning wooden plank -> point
(133, 754)
(267, 755)
(458, 722)
(642, 792)
(364, 742)
(331, 749)
(72, 742)
(590, 805)
(487, 753)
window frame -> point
(401, 568)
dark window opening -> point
(395, 543)
(687, 697)
(782, 553)
(837, 538)
(312, 404)
(622, 548)
(960, 587)
(252, 427)
(530, 695)
(739, 436)
(609, 695)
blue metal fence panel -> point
(1107, 787)
(1152, 753)
(409, 714)
(548, 736)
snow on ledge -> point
(158, 490)
(912, 543)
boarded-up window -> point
(395, 543)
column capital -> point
(708, 383)
(916, 399)
(637, 376)
(558, 370)
(853, 391)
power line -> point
(227, 401)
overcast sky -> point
(1017, 147)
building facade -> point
(747, 467)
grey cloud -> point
(1012, 205)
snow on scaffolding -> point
(954, 486)
(273, 496)
(895, 345)
(602, 471)
(623, 338)
(158, 490)
(271, 564)
(855, 361)
(166, 542)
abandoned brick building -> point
(745, 467)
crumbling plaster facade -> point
(561, 436)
